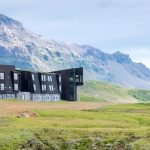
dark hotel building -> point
(39, 86)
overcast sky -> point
(110, 25)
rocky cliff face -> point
(27, 50)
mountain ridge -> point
(28, 50)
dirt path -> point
(17, 107)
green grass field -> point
(99, 91)
(113, 127)
(95, 123)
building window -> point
(59, 78)
(1, 75)
(34, 87)
(43, 87)
(2, 87)
(16, 87)
(33, 77)
(60, 88)
(51, 87)
(80, 78)
(71, 79)
(48, 78)
(77, 78)
(15, 76)
(43, 77)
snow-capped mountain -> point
(27, 50)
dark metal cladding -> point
(71, 78)
(9, 79)
(40, 84)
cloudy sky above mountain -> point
(110, 25)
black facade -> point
(40, 85)
(71, 78)
(9, 81)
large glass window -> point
(2, 87)
(1, 75)
(16, 87)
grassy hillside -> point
(113, 127)
(142, 95)
(102, 91)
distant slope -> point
(27, 50)
(102, 91)
(142, 95)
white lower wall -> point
(33, 97)
(46, 97)
(24, 95)
(7, 96)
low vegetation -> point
(93, 123)
(111, 127)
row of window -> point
(43, 78)
(2, 87)
(51, 87)
(2, 76)
(16, 87)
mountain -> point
(27, 50)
